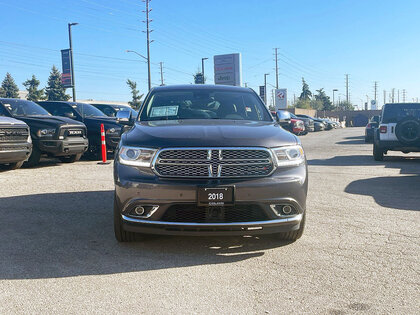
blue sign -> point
(66, 78)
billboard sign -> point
(66, 78)
(280, 98)
(228, 69)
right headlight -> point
(134, 156)
(289, 155)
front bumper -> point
(62, 147)
(14, 152)
(285, 186)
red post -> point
(103, 143)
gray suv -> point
(207, 160)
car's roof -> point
(64, 102)
(201, 87)
(402, 104)
(5, 99)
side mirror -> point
(283, 117)
(124, 117)
(69, 115)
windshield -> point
(88, 110)
(24, 108)
(204, 104)
(393, 113)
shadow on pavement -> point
(70, 234)
(401, 192)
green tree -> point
(316, 104)
(306, 104)
(136, 98)
(9, 88)
(325, 101)
(306, 93)
(344, 105)
(32, 87)
(55, 90)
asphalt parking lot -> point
(359, 253)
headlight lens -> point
(136, 156)
(46, 132)
(289, 156)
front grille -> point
(72, 132)
(195, 214)
(214, 162)
(14, 134)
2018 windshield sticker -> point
(163, 111)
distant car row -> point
(65, 130)
(302, 124)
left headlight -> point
(45, 132)
(289, 156)
(133, 156)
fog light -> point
(139, 210)
(287, 209)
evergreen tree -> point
(306, 93)
(32, 87)
(344, 105)
(55, 90)
(136, 98)
(9, 88)
(324, 100)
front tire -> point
(292, 235)
(378, 153)
(121, 235)
(13, 166)
(34, 158)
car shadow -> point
(353, 140)
(406, 164)
(70, 234)
(397, 192)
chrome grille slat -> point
(213, 162)
(14, 134)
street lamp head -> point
(335, 90)
(204, 58)
(71, 24)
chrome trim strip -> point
(15, 151)
(296, 219)
(209, 150)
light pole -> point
(202, 67)
(265, 87)
(148, 66)
(71, 62)
(334, 90)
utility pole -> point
(148, 31)
(384, 97)
(265, 87)
(334, 90)
(161, 74)
(202, 68)
(404, 92)
(367, 102)
(375, 87)
(393, 95)
(71, 62)
(398, 96)
(347, 88)
(277, 68)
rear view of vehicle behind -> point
(399, 130)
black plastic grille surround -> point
(231, 214)
(214, 162)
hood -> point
(11, 121)
(94, 123)
(204, 133)
(48, 121)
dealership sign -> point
(66, 78)
(280, 98)
(228, 69)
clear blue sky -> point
(322, 40)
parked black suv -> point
(208, 160)
(92, 118)
(55, 136)
(15, 142)
(399, 130)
